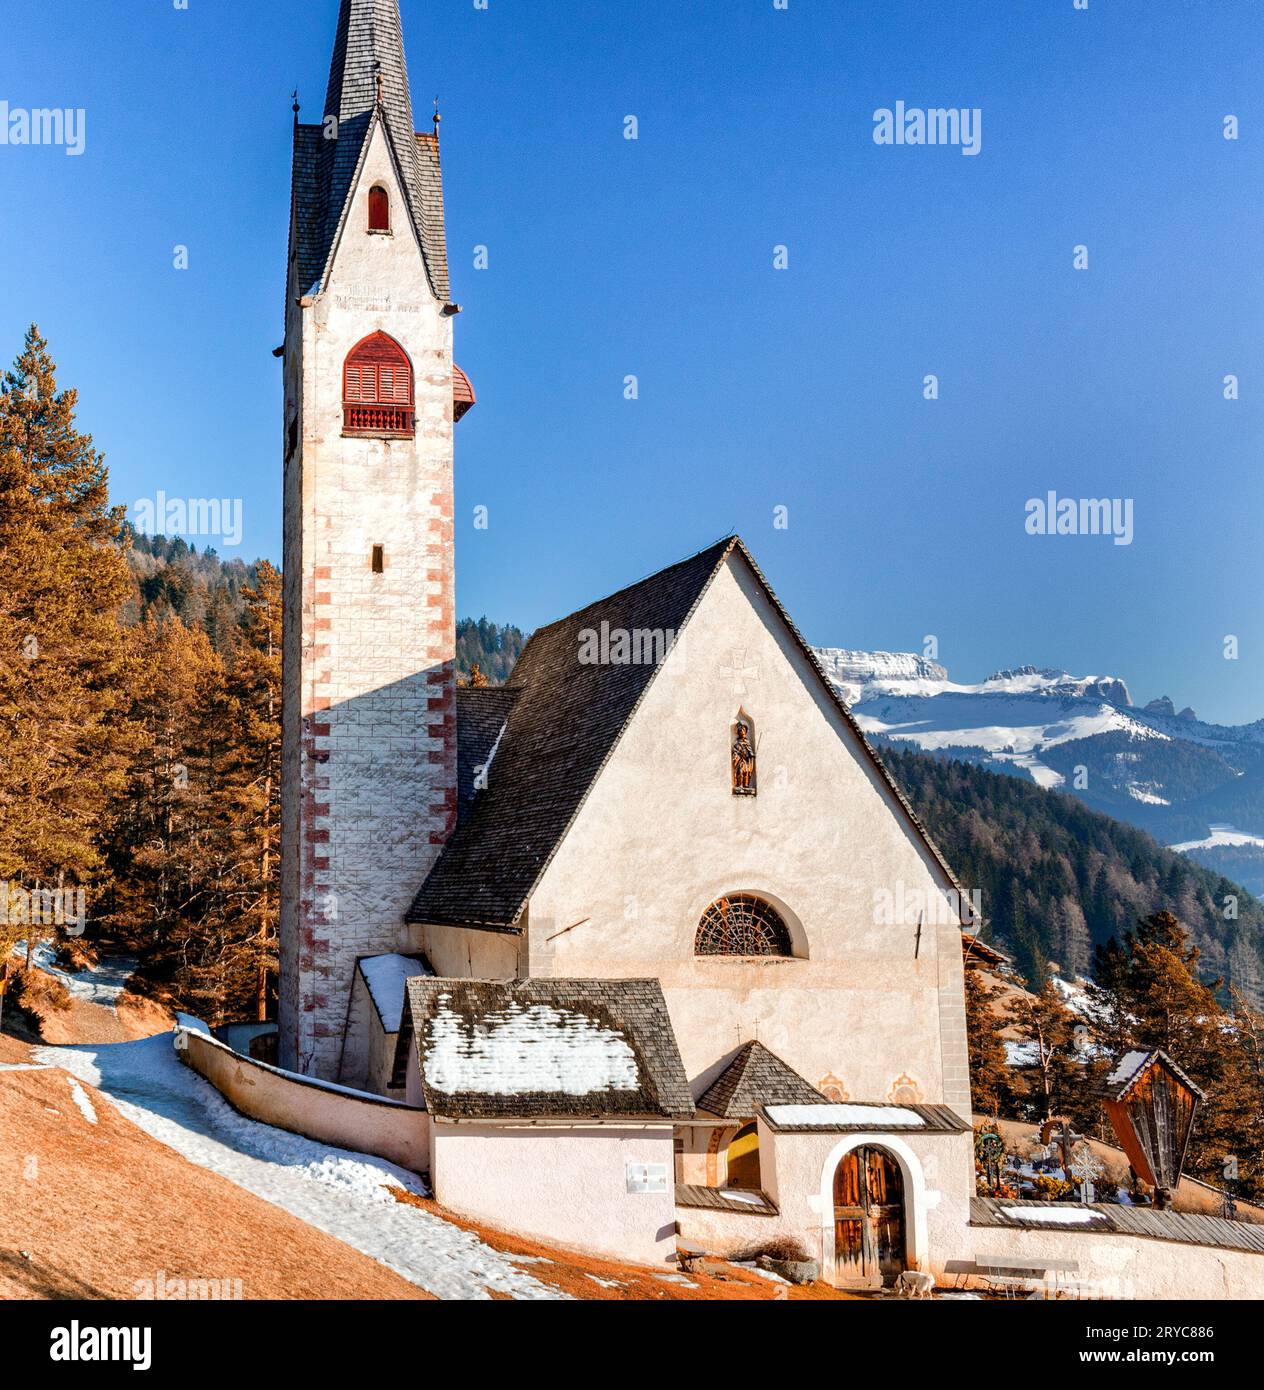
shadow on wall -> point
(369, 795)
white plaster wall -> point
(360, 1124)
(462, 953)
(662, 836)
(369, 786)
(565, 1186)
(732, 1234)
(1130, 1267)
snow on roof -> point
(544, 1048)
(1021, 1054)
(521, 1050)
(1053, 1216)
(829, 1115)
(1126, 1068)
(386, 976)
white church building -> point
(609, 936)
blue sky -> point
(758, 388)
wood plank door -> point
(868, 1218)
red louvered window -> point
(377, 389)
(379, 210)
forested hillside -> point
(1057, 878)
(140, 740)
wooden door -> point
(868, 1218)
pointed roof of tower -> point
(368, 82)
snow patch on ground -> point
(102, 984)
(347, 1195)
(1220, 835)
(82, 1101)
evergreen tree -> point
(989, 1075)
(64, 669)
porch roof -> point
(853, 1118)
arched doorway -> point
(743, 1158)
(869, 1236)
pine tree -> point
(989, 1076)
(162, 847)
(257, 682)
(64, 672)
(1054, 1077)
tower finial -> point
(295, 107)
(437, 118)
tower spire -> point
(368, 80)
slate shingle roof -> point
(324, 170)
(753, 1078)
(481, 712)
(566, 720)
(545, 1049)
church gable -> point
(741, 757)
(579, 685)
(569, 710)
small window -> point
(742, 925)
(379, 210)
(379, 559)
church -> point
(614, 923)
(611, 934)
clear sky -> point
(759, 387)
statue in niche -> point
(743, 760)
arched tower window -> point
(742, 925)
(379, 209)
(377, 389)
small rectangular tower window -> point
(379, 560)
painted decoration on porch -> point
(832, 1088)
(743, 759)
(1151, 1104)
(905, 1091)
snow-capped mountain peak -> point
(1164, 770)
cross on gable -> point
(739, 670)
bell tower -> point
(371, 397)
